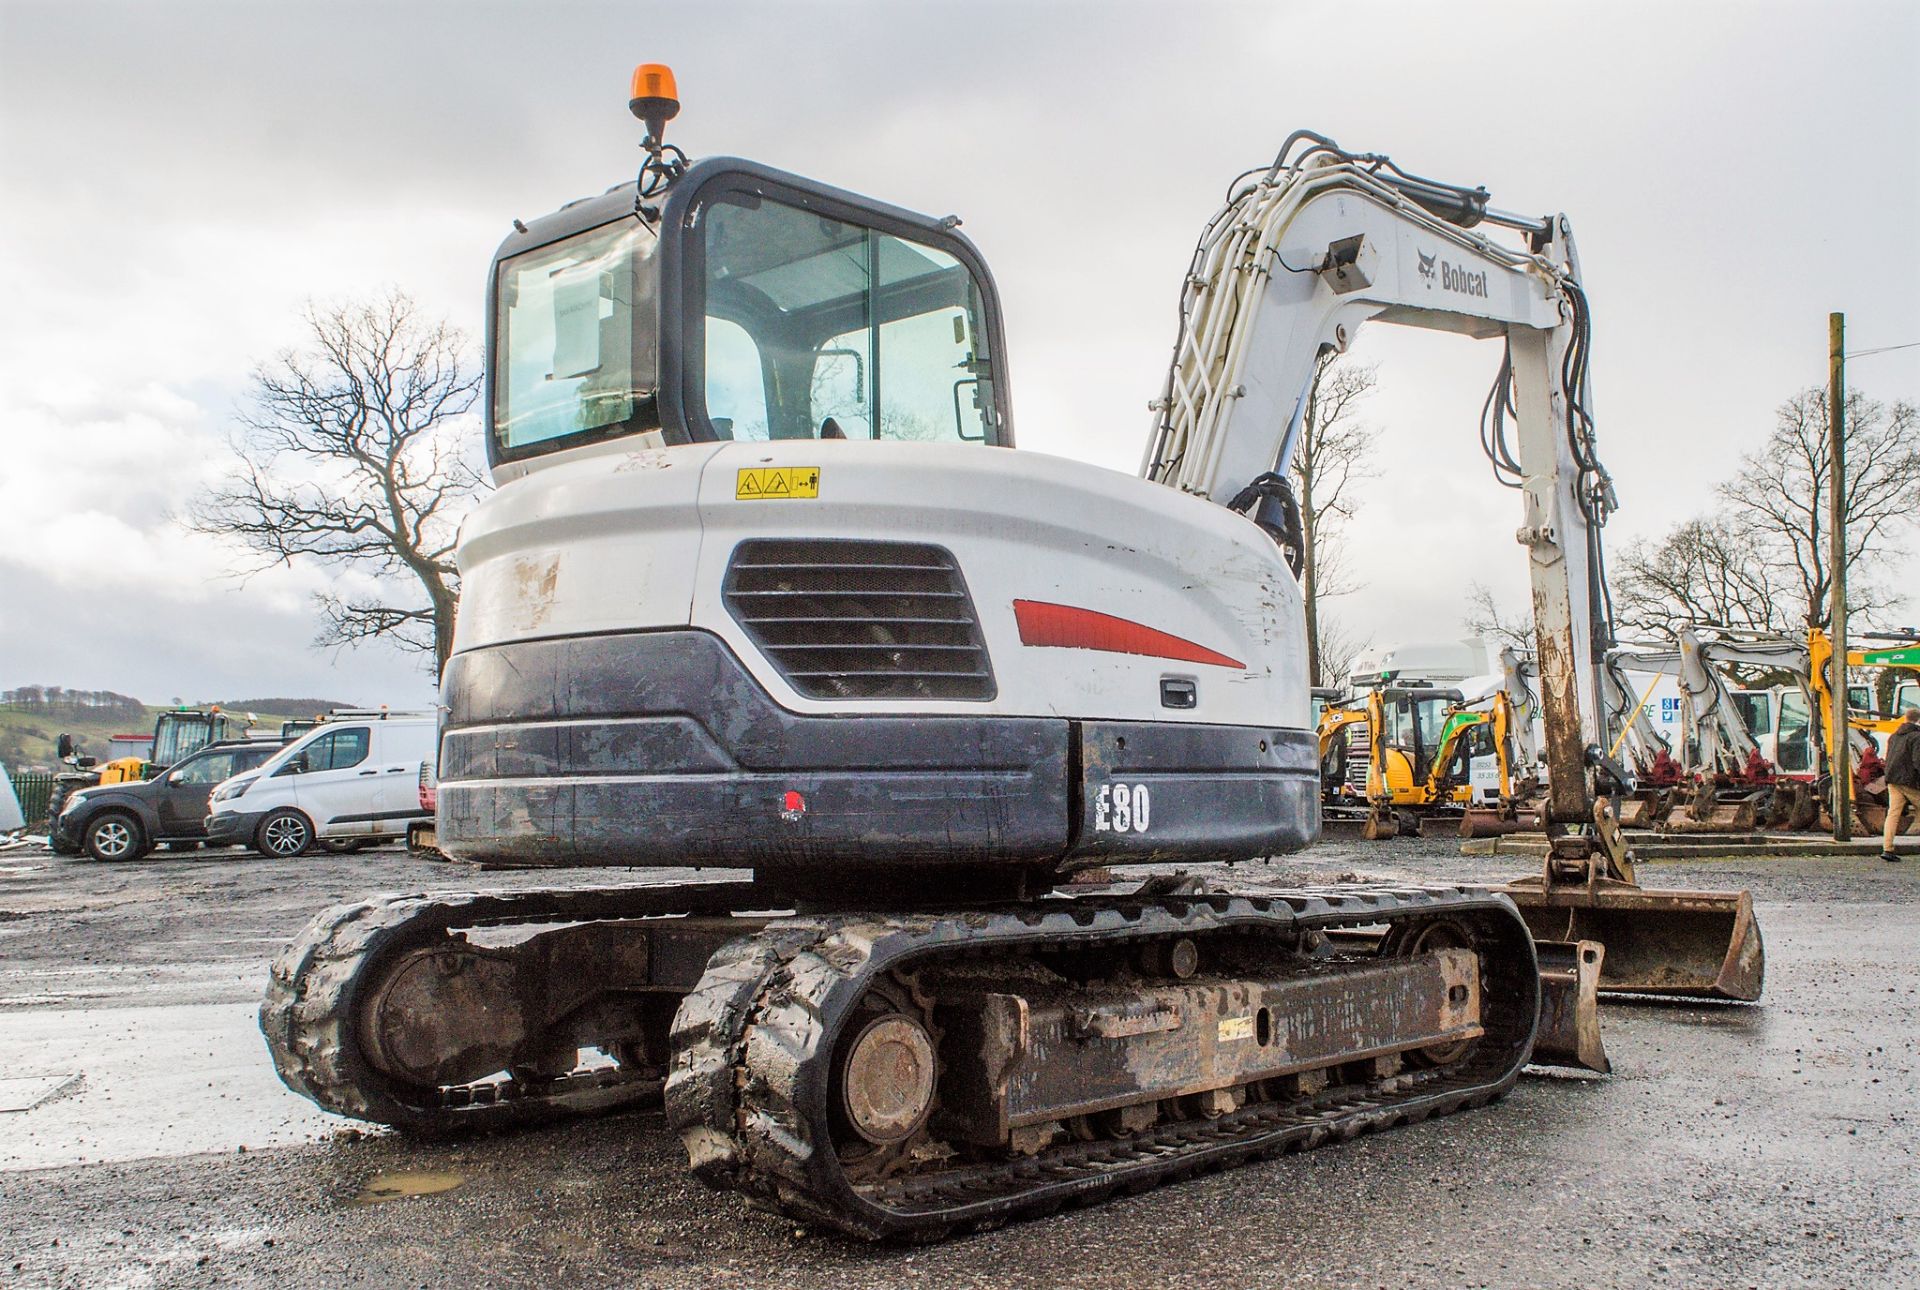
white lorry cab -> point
(352, 781)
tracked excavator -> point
(1721, 782)
(1501, 722)
(1800, 797)
(765, 586)
(1401, 756)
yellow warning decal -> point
(764, 483)
(1232, 1028)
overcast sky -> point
(179, 177)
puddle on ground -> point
(398, 1186)
(161, 1080)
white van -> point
(351, 781)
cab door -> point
(336, 785)
(181, 801)
(1795, 746)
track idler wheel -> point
(1408, 940)
(445, 1014)
(885, 1079)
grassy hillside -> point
(309, 706)
(27, 738)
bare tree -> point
(1706, 570)
(1338, 650)
(351, 456)
(1778, 499)
(1486, 619)
(1331, 455)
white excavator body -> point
(766, 586)
(617, 538)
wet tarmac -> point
(1766, 1145)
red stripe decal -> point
(1067, 627)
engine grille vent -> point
(847, 619)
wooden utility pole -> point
(1839, 756)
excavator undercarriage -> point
(902, 1075)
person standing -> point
(1903, 779)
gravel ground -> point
(1734, 1145)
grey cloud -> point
(1732, 170)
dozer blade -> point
(1691, 943)
(1569, 1032)
(1478, 822)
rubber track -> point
(750, 1101)
(316, 982)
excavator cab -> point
(750, 305)
(1416, 721)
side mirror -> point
(87, 763)
(64, 747)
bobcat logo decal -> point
(1426, 265)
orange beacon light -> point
(654, 98)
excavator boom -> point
(1299, 258)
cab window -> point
(1756, 710)
(819, 328)
(178, 737)
(1433, 720)
(573, 358)
(207, 770)
(736, 382)
(337, 750)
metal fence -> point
(34, 788)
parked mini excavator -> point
(1726, 779)
(1380, 754)
(1400, 756)
(764, 586)
(1801, 714)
